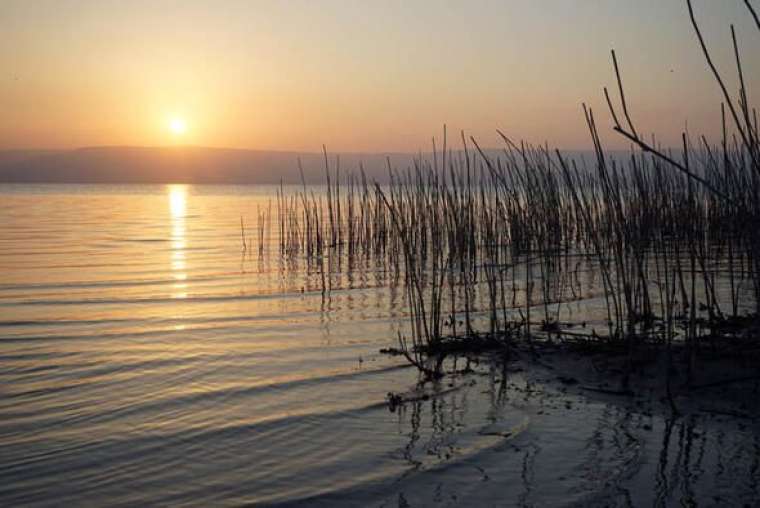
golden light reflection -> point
(177, 209)
(177, 202)
(177, 266)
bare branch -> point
(715, 72)
(752, 11)
(612, 110)
(648, 148)
(744, 103)
(622, 94)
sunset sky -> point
(356, 75)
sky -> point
(358, 76)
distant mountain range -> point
(199, 165)
(182, 164)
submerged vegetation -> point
(492, 249)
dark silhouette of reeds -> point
(484, 246)
(490, 247)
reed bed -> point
(492, 248)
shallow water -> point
(145, 360)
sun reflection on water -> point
(177, 208)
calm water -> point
(146, 360)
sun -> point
(177, 126)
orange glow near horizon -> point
(357, 76)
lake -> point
(147, 358)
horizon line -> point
(304, 152)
